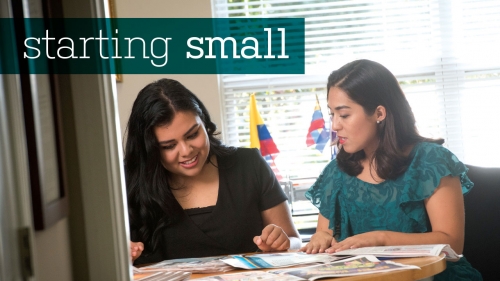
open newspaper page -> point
(276, 260)
(193, 265)
(359, 265)
(249, 276)
(405, 251)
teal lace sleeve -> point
(324, 193)
(430, 163)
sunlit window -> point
(444, 53)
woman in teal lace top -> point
(388, 185)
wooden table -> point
(430, 266)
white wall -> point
(204, 86)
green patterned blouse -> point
(354, 206)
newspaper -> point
(141, 275)
(405, 251)
(359, 265)
(249, 276)
(193, 265)
(276, 260)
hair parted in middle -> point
(370, 85)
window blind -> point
(443, 52)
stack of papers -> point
(345, 263)
(354, 266)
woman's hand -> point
(280, 233)
(368, 239)
(273, 238)
(320, 241)
(136, 249)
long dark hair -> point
(370, 85)
(151, 205)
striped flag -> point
(261, 138)
(317, 133)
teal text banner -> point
(153, 46)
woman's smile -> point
(190, 163)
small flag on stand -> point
(261, 138)
(317, 134)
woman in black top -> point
(191, 196)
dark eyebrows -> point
(341, 107)
(193, 128)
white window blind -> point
(446, 55)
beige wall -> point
(204, 86)
(52, 258)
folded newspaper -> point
(140, 275)
(276, 260)
(354, 266)
(194, 265)
(405, 251)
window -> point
(445, 53)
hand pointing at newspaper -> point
(273, 238)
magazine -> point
(359, 265)
(276, 260)
(193, 265)
(405, 251)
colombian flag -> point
(317, 133)
(261, 138)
